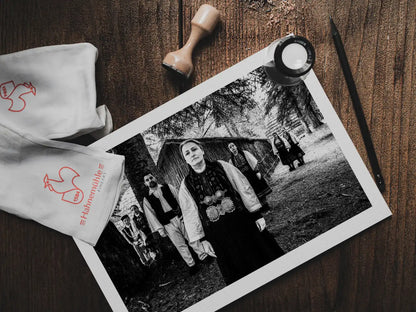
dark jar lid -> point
(278, 56)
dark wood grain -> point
(42, 270)
(131, 37)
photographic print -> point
(222, 195)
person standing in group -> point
(279, 148)
(137, 239)
(162, 212)
(248, 165)
(139, 220)
(220, 207)
(295, 149)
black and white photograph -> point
(222, 190)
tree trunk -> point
(314, 117)
(295, 104)
(232, 129)
(302, 118)
(121, 261)
(138, 162)
(316, 122)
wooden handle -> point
(203, 23)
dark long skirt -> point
(240, 247)
(260, 186)
(296, 151)
(285, 156)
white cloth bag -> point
(49, 93)
(51, 90)
(67, 187)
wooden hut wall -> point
(267, 161)
(171, 165)
(174, 168)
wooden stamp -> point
(203, 23)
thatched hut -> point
(174, 168)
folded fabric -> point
(50, 90)
(105, 116)
(68, 187)
(47, 94)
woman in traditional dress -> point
(279, 148)
(295, 149)
(248, 165)
(220, 207)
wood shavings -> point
(257, 5)
(276, 11)
(282, 11)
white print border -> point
(377, 212)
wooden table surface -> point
(42, 270)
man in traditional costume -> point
(163, 214)
(220, 207)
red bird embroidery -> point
(14, 93)
(65, 186)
